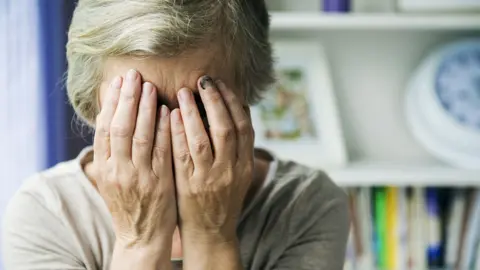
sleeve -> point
(319, 229)
(34, 238)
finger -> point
(222, 131)
(144, 129)
(241, 118)
(123, 123)
(101, 142)
(197, 137)
(162, 146)
(181, 154)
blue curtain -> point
(63, 139)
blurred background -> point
(384, 95)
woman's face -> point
(170, 74)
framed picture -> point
(298, 118)
(439, 5)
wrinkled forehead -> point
(169, 74)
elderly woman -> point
(173, 173)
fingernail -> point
(163, 111)
(206, 81)
(147, 89)
(132, 75)
(117, 82)
(183, 94)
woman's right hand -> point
(132, 154)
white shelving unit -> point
(285, 21)
(372, 57)
(381, 174)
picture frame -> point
(298, 118)
(439, 5)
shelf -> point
(374, 174)
(282, 21)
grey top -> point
(57, 220)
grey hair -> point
(110, 28)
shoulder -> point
(47, 193)
(48, 188)
(34, 231)
(297, 194)
(300, 210)
(54, 218)
(310, 187)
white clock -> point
(443, 104)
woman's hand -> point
(212, 171)
(132, 154)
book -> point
(391, 239)
(349, 263)
(355, 223)
(414, 228)
(461, 257)
(471, 240)
(417, 241)
(373, 219)
(456, 212)
(366, 261)
(434, 228)
(381, 226)
(402, 229)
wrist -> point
(210, 252)
(153, 255)
(210, 238)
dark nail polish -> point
(205, 82)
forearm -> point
(154, 257)
(211, 254)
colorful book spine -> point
(365, 214)
(373, 220)
(454, 227)
(381, 226)
(402, 230)
(434, 228)
(414, 228)
(419, 241)
(391, 227)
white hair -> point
(139, 28)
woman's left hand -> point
(212, 173)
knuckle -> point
(147, 110)
(119, 131)
(189, 113)
(179, 131)
(141, 140)
(226, 134)
(214, 97)
(230, 97)
(161, 151)
(118, 173)
(128, 96)
(201, 145)
(244, 128)
(182, 156)
(196, 189)
(103, 130)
